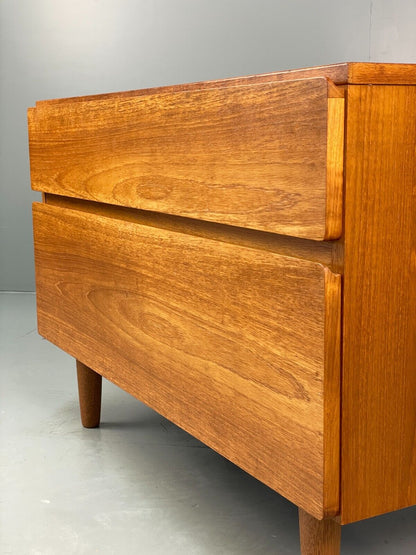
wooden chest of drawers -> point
(241, 256)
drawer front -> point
(266, 156)
(238, 346)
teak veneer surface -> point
(379, 315)
(328, 253)
(267, 156)
(337, 73)
(191, 247)
(238, 346)
(340, 74)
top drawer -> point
(265, 156)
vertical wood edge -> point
(35, 206)
(30, 116)
(379, 325)
(412, 352)
(335, 167)
(332, 393)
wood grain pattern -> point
(89, 390)
(340, 74)
(226, 341)
(335, 167)
(252, 156)
(332, 396)
(318, 537)
(337, 73)
(324, 252)
(379, 322)
(381, 74)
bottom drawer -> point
(240, 347)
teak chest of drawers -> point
(241, 256)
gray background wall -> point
(52, 48)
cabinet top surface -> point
(351, 73)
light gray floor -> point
(137, 485)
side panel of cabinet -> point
(379, 323)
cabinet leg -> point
(89, 389)
(318, 537)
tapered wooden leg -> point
(89, 389)
(318, 537)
